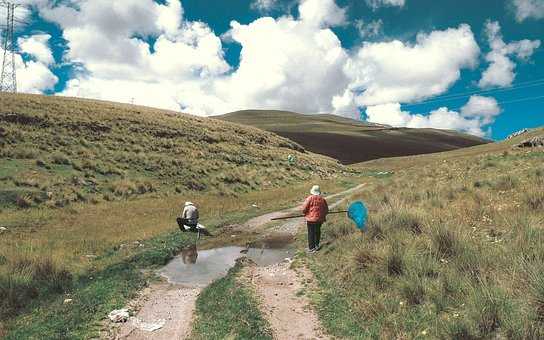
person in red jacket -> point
(315, 210)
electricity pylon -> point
(8, 78)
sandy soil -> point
(165, 304)
(287, 310)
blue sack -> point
(358, 213)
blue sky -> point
(401, 62)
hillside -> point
(352, 141)
(59, 150)
(453, 249)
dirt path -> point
(288, 312)
(172, 307)
(168, 306)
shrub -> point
(534, 199)
(59, 158)
(413, 290)
(364, 258)
(445, 242)
(26, 279)
(505, 183)
(394, 261)
(339, 231)
(403, 219)
(23, 202)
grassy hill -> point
(453, 249)
(89, 193)
(352, 141)
(59, 150)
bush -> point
(27, 279)
(23, 202)
(413, 290)
(445, 242)
(61, 159)
(395, 261)
(534, 199)
(505, 183)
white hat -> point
(188, 203)
(315, 190)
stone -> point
(532, 142)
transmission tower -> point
(8, 79)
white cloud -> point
(288, 63)
(528, 9)
(501, 69)
(478, 113)
(36, 46)
(375, 4)
(322, 12)
(388, 72)
(484, 108)
(34, 76)
(369, 30)
(264, 6)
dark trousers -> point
(314, 234)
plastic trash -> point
(358, 213)
(119, 315)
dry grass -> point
(442, 256)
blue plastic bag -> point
(358, 213)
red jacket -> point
(315, 209)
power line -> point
(468, 94)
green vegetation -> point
(442, 257)
(56, 151)
(91, 190)
(227, 309)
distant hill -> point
(58, 150)
(352, 141)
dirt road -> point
(170, 308)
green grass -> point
(94, 295)
(79, 150)
(442, 257)
(227, 309)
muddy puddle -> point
(198, 268)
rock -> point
(67, 301)
(119, 315)
(3, 229)
(532, 142)
(517, 133)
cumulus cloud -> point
(34, 75)
(501, 69)
(486, 109)
(375, 4)
(264, 6)
(528, 9)
(369, 30)
(322, 13)
(37, 47)
(147, 53)
(477, 113)
(388, 72)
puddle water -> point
(198, 269)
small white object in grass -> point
(254, 205)
(119, 315)
(2, 229)
(67, 301)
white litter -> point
(2, 229)
(119, 315)
(67, 301)
(148, 326)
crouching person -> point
(189, 218)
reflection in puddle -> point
(198, 269)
